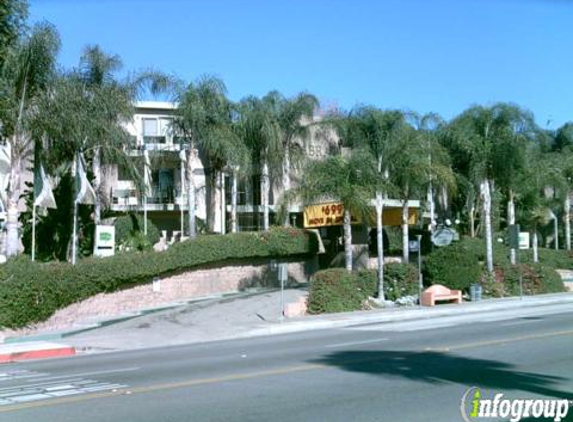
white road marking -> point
(520, 322)
(356, 343)
(49, 387)
(87, 374)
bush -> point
(129, 233)
(456, 266)
(537, 279)
(32, 291)
(337, 290)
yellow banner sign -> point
(323, 215)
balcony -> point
(162, 199)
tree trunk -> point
(472, 221)
(567, 218)
(535, 253)
(265, 192)
(405, 233)
(96, 184)
(286, 183)
(380, 244)
(234, 193)
(432, 207)
(347, 241)
(191, 154)
(511, 221)
(12, 211)
(486, 193)
(211, 191)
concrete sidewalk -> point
(259, 315)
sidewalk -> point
(259, 315)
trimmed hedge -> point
(337, 290)
(537, 279)
(455, 266)
(32, 292)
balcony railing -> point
(125, 198)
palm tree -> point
(294, 119)
(376, 130)
(205, 117)
(13, 14)
(350, 180)
(411, 172)
(261, 132)
(28, 71)
(96, 71)
(488, 135)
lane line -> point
(356, 343)
(253, 375)
(485, 343)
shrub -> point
(129, 232)
(537, 279)
(32, 291)
(550, 257)
(456, 266)
(337, 290)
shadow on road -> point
(435, 367)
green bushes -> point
(129, 233)
(337, 290)
(461, 264)
(537, 279)
(455, 266)
(31, 292)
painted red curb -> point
(37, 354)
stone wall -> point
(238, 277)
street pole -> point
(420, 281)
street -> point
(411, 371)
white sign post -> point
(104, 244)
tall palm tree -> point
(261, 132)
(376, 130)
(294, 119)
(205, 116)
(350, 180)
(28, 70)
(488, 135)
(412, 172)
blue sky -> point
(438, 55)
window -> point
(153, 132)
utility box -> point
(514, 236)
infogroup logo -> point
(475, 407)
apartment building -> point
(152, 131)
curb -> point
(352, 319)
(34, 350)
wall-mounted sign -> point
(104, 244)
(331, 214)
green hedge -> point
(337, 290)
(129, 233)
(455, 266)
(537, 279)
(32, 292)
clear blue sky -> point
(424, 55)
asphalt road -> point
(385, 372)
